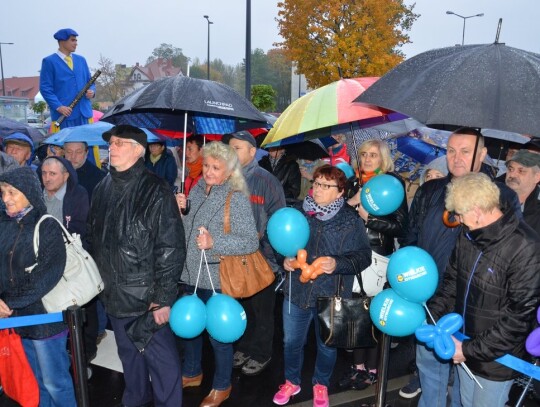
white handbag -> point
(374, 277)
(81, 281)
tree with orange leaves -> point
(344, 38)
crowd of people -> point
(147, 239)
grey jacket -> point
(208, 211)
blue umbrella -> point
(88, 133)
(91, 135)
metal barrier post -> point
(74, 317)
(382, 370)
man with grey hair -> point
(523, 176)
(89, 175)
(137, 240)
(66, 200)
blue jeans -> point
(223, 353)
(493, 394)
(434, 374)
(50, 363)
(295, 327)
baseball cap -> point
(240, 135)
(525, 158)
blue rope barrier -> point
(28, 320)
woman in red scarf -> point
(194, 160)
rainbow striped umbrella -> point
(328, 110)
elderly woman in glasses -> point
(492, 280)
(337, 235)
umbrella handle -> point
(447, 222)
(185, 210)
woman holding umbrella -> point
(374, 158)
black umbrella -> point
(8, 126)
(489, 86)
(212, 107)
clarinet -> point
(79, 96)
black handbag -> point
(345, 323)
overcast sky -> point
(127, 31)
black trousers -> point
(90, 329)
(257, 340)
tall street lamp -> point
(248, 50)
(208, 49)
(2, 67)
(464, 19)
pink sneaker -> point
(285, 392)
(320, 396)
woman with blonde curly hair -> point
(203, 224)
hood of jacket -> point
(73, 179)
(26, 181)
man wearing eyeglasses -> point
(137, 240)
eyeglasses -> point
(324, 187)
(365, 154)
(120, 143)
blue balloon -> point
(439, 336)
(347, 169)
(288, 231)
(394, 315)
(225, 318)
(382, 195)
(188, 317)
(413, 274)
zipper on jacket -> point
(468, 288)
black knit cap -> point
(126, 131)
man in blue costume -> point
(63, 75)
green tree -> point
(39, 108)
(358, 38)
(263, 97)
(167, 51)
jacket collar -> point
(492, 233)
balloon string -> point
(463, 365)
(208, 270)
(290, 289)
(199, 272)
(429, 313)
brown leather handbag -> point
(242, 275)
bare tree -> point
(112, 82)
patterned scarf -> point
(366, 176)
(322, 212)
(19, 215)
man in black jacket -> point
(523, 176)
(492, 281)
(137, 240)
(465, 154)
(286, 170)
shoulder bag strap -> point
(227, 214)
(67, 236)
